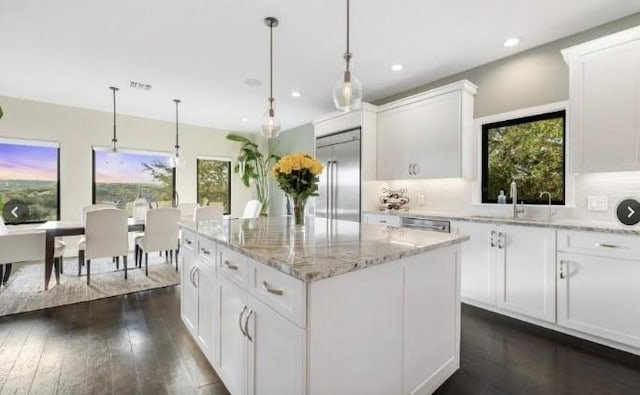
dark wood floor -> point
(121, 345)
(500, 355)
(137, 344)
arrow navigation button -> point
(628, 212)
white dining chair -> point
(208, 213)
(160, 234)
(187, 211)
(106, 235)
(252, 209)
(24, 246)
(82, 241)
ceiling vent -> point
(139, 85)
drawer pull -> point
(205, 251)
(188, 241)
(231, 266)
(274, 291)
(606, 245)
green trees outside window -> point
(214, 183)
(529, 151)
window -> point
(530, 151)
(214, 183)
(29, 181)
(135, 172)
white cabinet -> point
(427, 135)
(509, 267)
(478, 262)
(188, 290)
(598, 293)
(605, 101)
(199, 298)
(232, 365)
(526, 271)
(276, 353)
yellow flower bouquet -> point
(298, 176)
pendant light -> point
(177, 160)
(112, 156)
(270, 124)
(347, 93)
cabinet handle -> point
(205, 251)
(246, 326)
(416, 169)
(244, 308)
(607, 245)
(410, 168)
(196, 282)
(189, 242)
(193, 268)
(230, 265)
(562, 274)
(501, 237)
(492, 238)
(274, 291)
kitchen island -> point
(337, 308)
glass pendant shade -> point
(270, 125)
(347, 93)
(177, 161)
(113, 158)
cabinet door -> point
(526, 271)
(188, 292)
(607, 102)
(439, 137)
(396, 138)
(208, 324)
(276, 353)
(478, 262)
(232, 344)
(599, 296)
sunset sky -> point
(130, 171)
(26, 162)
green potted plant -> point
(253, 165)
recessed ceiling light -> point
(510, 42)
(295, 94)
(397, 67)
(244, 120)
(252, 82)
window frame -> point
(35, 142)
(220, 159)
(125, 150)
(484, 161)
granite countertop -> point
(325, 248)
(555, 223)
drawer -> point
(207, 250)
(382, 219)
(188, 240)
(600, 244)
(233, 266)
(283, 293)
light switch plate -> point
(597, 203)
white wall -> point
(77, 130)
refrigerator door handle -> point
(334, 176)
(328, 202)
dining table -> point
(55, 229)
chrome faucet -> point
(514, 198)
(549, 213)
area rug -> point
(25, 289)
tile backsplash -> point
(458, 195)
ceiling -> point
(202, 51)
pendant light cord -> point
(177, 146)
(271, 66)
(347, 55)
(114, 140)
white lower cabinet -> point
(599, 292)
(276, 358)
(188, 290)
(509, 267)
(232, 365)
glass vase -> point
(297, 206)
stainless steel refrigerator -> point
(339, 189)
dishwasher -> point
(426, 224)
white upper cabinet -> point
(605, 103)
(427, 135)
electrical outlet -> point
(421, 200)
(597, 203)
